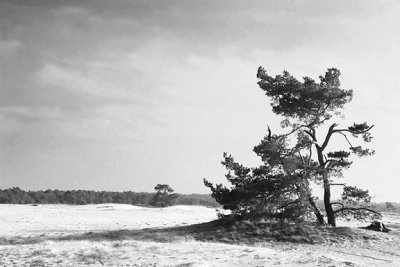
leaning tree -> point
(293, 160)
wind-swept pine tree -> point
(291, 161)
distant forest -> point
(16, 195)
(81, 197)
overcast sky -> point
(122, 95)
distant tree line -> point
(16, 195)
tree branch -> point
(353, 210)
(333, 162)
(289, 203)
(309, 156)
(328, 136)
(337, 203)
(311, 133)
(345, 136)
(330, 160)
(353, 132)
(293, 130)
(302, 159)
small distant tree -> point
(390, 206)
(291, 161)
(164, 196)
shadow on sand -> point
(242, 232)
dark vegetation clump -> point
(81, 197)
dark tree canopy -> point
(291, 161)
(307, 101)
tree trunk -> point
(327, 188)
(317, 213)
(327, 201)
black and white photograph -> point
(199, 133)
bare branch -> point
(311, 134)
(269, 134)
(328, 136)
(345, 136)
(353, 210)
(329, 161)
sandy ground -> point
(25, 220)
(50, 226)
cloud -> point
(74, 81)
(9, 125)
(31, 112)
(20, 119)
(9, 47)
(175, 75)
(84, 82)
(110, 122)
